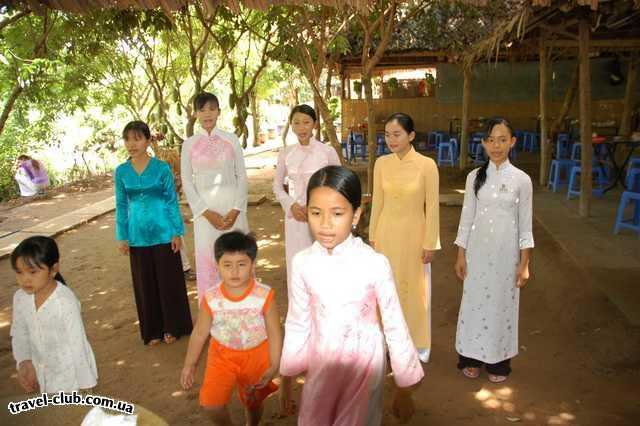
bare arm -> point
(197, 341)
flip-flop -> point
(471, 372)
(493, 378)
(168, 338)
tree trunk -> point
(316, 102)
(326, 116)
(285, 133)
(371, 130)
(629, 97)
(586, 151)
(256, 118)
(8, 106)
(466, 101)
(191, 123)
(545, 143)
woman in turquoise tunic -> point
(148, 230)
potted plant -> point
(430, 82)
(392, 85)
(357, 87)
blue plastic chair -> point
(381, 144)
(559, 173)
(599, 184)
(345, 150)
(633, 199)
(562, 146)
(446, 154)
(479, 156)
(632, 181)
(358, 147)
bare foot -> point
(154, 342)
(403, 407)
(169, 339)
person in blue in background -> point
(148, 229)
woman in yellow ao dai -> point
(405, 224)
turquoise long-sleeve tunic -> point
(147, 211)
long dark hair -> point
(338, 178)
(37, 251)
(481, 176)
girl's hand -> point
(176, 244)
(27, 376)
(230, 218)
(186, 377)
(299, 213)
(123, 248)
(522, 275)
(215, 219)
(461, 267)
(427, 256)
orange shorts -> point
(227, 368)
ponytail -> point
(481, 177)
(59, 278)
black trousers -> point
(502, 368)
(160, 292)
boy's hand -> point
(27, 376)
(186, 378)
(266, 378)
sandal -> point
(471, 372)
(493, 378)
(169, 338)
(154, 342)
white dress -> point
(296, 164)
(213, 178)
(494, 227)
(26, 185)
(53, 338)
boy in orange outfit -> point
(246, 338)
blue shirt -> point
(147, 211)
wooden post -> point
(545, 145)
(466, 100)
(629, 97)
(586, 155)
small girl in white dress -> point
(494, 244)
(49, 343)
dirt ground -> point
(579, 360)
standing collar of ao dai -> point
(214, 136)
(408, 156)
(341, 248)
(492, 169)
(309, 147)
